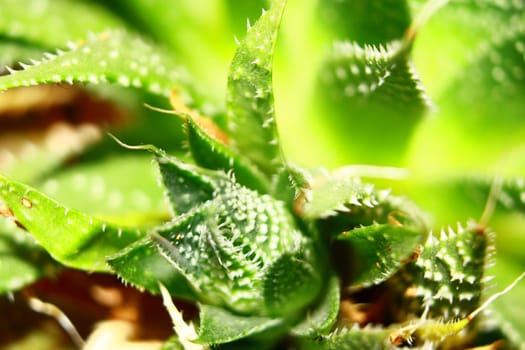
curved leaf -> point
(250, 103)
(109, 57)
(370, 255)
(72, 238)
(366, 93)
(141, 265)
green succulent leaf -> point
(371, 254)
(71, 237)
(226, 245)
(185, 186)
(448, 275)
(250, 103)
(291, 281)
(52, 23)
(220, 326)
(121, 188)
(373, 89)
(320, 319)
(349, 339)
(141, 265)
(116, 57)
(210, 153)
(22, 261)
(331, 194)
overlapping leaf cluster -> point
(273, 255)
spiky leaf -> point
(250, 103)
(226, 245)
(329, 194)
(371, 254)
(114, 57)
(373, 89)
(142, 266)
(220, 326)
(71, 237)
(448, 276)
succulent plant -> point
(258, 252)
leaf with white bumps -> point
(226, 246)
(371, 90)
(250, 102)
(71, 237)
(448, 275)
(115, 57)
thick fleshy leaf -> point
(291, 282)
(371, 90)
(341, 203)
(371, 254)
(220, 326)
(250, 103)
(22, 261)
(141, 265)
(114, 57)
(329, 194)
(71, 237)
(213, 154)
(320, 320)
(448, 275)
(52, 23)
(228, 240)
(365, 22)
